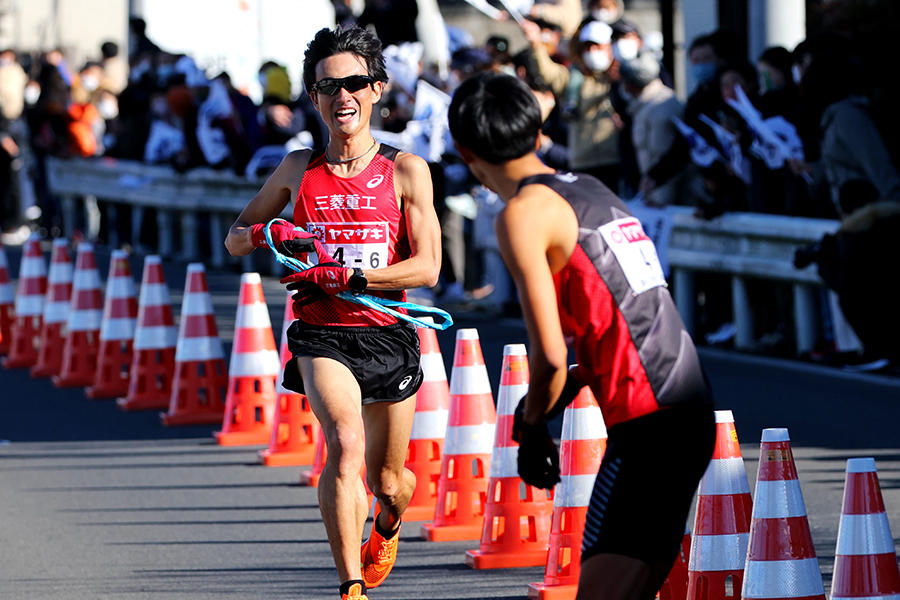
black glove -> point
(538, 456)
(568, 393)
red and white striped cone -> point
(56, 311)
(198, 387)
(517, 516)
(254, 366)
(295, 427)
(79, 362)
(462, 487)
(582, 444)
(153, 361)
(426, 442)
(781, 560)
(722, 520)
(865, 561)
(120, 308)
(676, 583)
(29, 307)
(7, 298)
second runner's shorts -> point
(647, 479)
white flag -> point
(702, 154)
(729, 144)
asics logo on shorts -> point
(405, 382)
(375, 181)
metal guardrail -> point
(177, 197)
(747, 246)
(741, 245)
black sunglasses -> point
(331, 86)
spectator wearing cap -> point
(585, 89)
(652, 107)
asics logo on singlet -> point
(405, 382)
(375, 181)
(567, 177)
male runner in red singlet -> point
(371, 211)
(585, 270)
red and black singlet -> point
(361, 223)
(629, 340)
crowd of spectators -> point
(787, 132)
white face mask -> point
(605, 15)
(597, 60)
(32, 93)
(625, 49)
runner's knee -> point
(385, 484)
(345, 449)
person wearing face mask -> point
(651, 109)
(707, 55)
(607, 11)
(585, 88)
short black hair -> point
(109, 49)
(354, 40)
(778, 58)
(495, 116)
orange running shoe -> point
(355, 593)
(378, 557)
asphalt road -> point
(98, 503)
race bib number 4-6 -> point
(363, 245)
(635, 252)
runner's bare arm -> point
(421, 269)
(527, 232)
(278, 190)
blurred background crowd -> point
(804, 131)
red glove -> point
(317, 282)
(289, 240)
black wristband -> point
(358, 282)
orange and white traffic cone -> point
(517, 516)
(198, 387)
(153, 360)
(7, 298)
(472, 418)
(865, 561)
(254, 366)
(29, 307)
(426, 442)
(582, 444)
(781, 560)
(56, 311)
(722, 520)
(79, 361)
(120, 308)
(675, 585)
(295, 427)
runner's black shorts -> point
(385, 360)
(646, 482)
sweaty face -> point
(345, 113)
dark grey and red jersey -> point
(629, 340)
